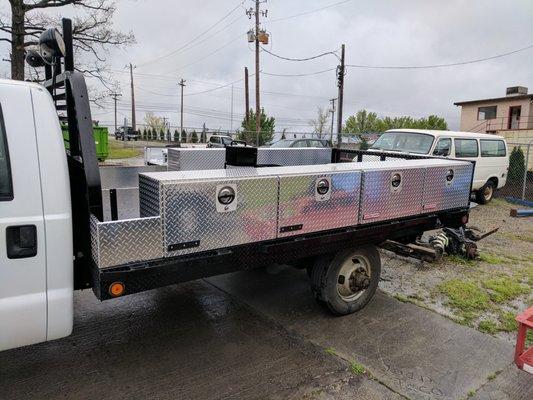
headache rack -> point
(71, 99)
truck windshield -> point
(409, 142)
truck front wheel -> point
(345, 283)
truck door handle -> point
(21, 241)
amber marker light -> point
(116, 289)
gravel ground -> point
(485, 294)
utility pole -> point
(181, 83)
(340, 77)
(133, 121)
(246, 95)
(257, 13)
(165, 119)
(231, 123)
(115, 97)
(332, 111)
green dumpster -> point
(101, 139)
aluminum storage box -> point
(391, 190)
(125, 241)
(293, 156)
(318, 198)
(447, 185)
(212, 209)
(191, 159)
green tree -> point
(517, 166)
(368, 122)
(194, 137)
(183, 136)
(249, 134)
(176, 136)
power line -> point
(311, 11)
(196, 37)
(298, 75)
(300, 59)
(211, 53)
(478, 60)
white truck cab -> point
(488, 151)
(36, 282)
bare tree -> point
(154, 122)
(93, 32)
(321, 121)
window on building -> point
(6, 186)
(466, 148)
(484, 113)
(492, 148)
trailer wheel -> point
(345, 283)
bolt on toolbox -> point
(184, 212)
(189, 159)
(403, 188)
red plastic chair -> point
(524, 358)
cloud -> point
(378, 32)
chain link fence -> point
(519, 184)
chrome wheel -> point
(353, 278)
(487, 193)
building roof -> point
(453, 134)
(505, 98)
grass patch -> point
(492, 259)
(471, 393)
(488, 327)
(507, 322)
(331, 351)
(455, 259)
(504, 288)
(465, 296)
(357, 369)
(117, 150)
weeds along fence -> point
(519, 184)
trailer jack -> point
(460, 241)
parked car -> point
(219, 141)
(130, 134)
(488, 151)
(290, 143)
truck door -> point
(23, 297)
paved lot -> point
(186, 342)
(257, 335)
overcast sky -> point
(376, 32)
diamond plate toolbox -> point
(391, 190)
(125, 241)
(318, 198)
(291, 157)
(214, 209)
(195, 159)
(447, 185)
(183, 159)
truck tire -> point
(346, 282)
(485, 193)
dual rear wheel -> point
(345, 282)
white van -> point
(488, 151)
